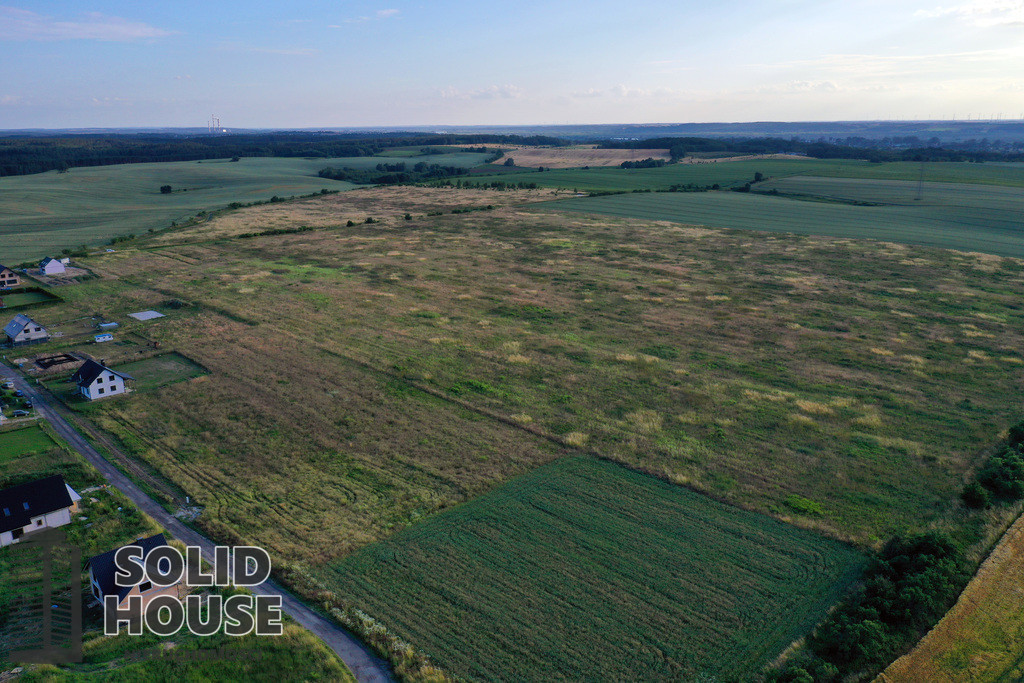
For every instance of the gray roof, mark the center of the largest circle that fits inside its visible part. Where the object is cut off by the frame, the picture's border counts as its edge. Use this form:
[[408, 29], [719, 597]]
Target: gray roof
[[103, 568], [18, 324], [90, 370], [48, 260]]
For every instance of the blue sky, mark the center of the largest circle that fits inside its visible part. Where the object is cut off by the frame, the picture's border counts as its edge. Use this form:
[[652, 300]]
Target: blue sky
[[391, 63]]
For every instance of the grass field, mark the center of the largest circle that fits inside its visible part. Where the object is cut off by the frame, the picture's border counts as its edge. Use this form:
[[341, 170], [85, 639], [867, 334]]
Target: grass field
[[24, 441], [971, 218], [43, 213], [584, 570], [730, 173], [573, 157], [23, 299], [981, 639], [877, 370], [159, 371]]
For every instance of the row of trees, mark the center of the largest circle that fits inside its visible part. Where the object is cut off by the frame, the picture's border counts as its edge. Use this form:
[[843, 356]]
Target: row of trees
[[24, 154]]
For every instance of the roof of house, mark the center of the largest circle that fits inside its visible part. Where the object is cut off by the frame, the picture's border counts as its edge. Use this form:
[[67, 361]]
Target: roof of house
[[103, 567], [19, 504], [49, 260], [18, 324], [90, 370]]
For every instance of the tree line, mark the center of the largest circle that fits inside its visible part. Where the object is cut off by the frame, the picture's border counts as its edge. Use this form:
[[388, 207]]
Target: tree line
[[24, 154]]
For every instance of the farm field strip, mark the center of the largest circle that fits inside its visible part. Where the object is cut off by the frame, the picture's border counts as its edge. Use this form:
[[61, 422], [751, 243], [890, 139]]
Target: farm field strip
[[43, 213], [901, 192], [579, 568], [730, 173], [996, 230]]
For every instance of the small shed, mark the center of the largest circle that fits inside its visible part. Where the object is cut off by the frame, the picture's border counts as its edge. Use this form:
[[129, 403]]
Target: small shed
[[105, 337]]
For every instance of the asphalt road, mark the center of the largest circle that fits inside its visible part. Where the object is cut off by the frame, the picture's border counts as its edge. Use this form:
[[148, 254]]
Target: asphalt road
[[366, 666]]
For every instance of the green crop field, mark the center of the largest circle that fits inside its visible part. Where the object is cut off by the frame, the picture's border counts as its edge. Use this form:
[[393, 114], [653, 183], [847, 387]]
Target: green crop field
[[43, 213], [21, 442], [730, 173], [584, 570], [161, 370], [969, 218]]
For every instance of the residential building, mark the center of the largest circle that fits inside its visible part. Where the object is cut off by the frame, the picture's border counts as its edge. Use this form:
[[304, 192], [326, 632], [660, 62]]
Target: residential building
[[51, 266], [96, 380], [102, 583], [24, 330], [34, 506]]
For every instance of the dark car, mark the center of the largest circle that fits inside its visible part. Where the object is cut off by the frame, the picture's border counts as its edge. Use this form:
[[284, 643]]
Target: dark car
[[19, 393], [28, 403], [20, 413]]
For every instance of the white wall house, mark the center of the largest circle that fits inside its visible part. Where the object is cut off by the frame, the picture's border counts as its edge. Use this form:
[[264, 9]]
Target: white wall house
[[98, 381], [34, 506], [51, 266], [24, 330], [8, 278]]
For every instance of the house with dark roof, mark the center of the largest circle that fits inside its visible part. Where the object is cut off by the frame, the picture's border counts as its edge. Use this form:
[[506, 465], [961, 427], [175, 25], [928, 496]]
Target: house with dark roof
[[96, 380], [34, 506], [101, 577], [24, 330], [8, 278], [51, 266]]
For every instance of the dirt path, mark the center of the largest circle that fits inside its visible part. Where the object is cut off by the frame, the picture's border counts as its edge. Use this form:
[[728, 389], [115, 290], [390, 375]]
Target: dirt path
[[364, 665]]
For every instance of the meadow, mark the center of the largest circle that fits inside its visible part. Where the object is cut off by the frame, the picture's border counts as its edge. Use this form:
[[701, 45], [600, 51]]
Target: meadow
[[43, 213], [792, 375], [16, 443], [731, 173], [967, 217], [584, 570]]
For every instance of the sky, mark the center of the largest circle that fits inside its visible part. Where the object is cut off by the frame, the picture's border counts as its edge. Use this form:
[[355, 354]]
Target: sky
[[312, 63]]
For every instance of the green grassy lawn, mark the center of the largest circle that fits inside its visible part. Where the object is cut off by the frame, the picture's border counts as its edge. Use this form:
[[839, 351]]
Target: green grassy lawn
[[970, 218], [18, 299], [43, 213], [161, 370], [23, 441], [730, 173], [584, 570]]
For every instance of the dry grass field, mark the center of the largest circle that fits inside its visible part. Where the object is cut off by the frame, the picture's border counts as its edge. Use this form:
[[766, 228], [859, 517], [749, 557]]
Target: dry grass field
[[364, 377], [982, 637], [574, 157]]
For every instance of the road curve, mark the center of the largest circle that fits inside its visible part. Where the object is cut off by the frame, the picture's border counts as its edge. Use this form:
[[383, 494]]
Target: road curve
[[367, 667]]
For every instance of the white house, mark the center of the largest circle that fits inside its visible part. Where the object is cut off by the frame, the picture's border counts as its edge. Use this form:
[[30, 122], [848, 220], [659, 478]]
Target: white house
[[51, 266], [24, 330], [34, 506], [98, 381]]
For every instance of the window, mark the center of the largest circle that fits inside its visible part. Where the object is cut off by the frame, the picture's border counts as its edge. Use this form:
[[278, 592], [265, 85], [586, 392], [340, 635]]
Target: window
[[7, 512], [39, 329], [17, 533], [111, 378], [25, 505], [39, 522], [99, 379], [100, 390], [145, 586]]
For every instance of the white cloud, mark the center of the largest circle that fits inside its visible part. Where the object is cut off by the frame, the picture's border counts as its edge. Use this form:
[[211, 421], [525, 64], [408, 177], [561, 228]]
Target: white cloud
[[491, 92], [9, 99], [386, 13], [982, 13], [20, 24]]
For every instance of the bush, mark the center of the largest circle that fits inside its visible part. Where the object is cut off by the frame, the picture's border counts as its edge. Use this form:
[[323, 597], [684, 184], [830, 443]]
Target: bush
[[976, 496], [165, 189]]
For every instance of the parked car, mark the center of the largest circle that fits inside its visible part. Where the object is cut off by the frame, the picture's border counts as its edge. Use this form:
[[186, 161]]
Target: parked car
[[28, 403], [20, 413], [8, 384], [19, 393]]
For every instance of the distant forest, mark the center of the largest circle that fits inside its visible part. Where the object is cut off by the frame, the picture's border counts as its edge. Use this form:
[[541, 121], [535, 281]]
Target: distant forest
[[24, 154], [903, 148], [21, 155]]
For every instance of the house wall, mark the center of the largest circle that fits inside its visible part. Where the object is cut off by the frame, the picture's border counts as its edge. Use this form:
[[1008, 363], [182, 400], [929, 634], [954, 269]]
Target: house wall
[[9, 278], [52, 268], [32, 332], [111, 385], [50, 520]]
